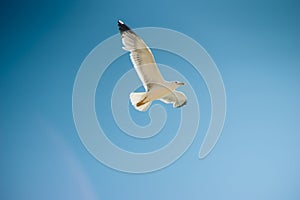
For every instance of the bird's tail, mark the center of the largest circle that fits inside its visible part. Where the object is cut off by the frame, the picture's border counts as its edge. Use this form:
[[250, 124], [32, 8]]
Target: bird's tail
[[139, 101]]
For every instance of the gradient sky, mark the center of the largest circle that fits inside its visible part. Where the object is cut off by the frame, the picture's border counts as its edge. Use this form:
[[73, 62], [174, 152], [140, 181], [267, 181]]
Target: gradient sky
[[256, 47]]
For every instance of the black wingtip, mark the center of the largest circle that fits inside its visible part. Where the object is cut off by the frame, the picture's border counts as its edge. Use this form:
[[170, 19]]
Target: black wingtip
[[122, 26]]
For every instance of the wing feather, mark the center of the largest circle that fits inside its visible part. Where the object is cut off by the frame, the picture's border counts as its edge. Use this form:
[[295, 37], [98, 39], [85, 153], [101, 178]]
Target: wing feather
[[177, 98], [141, 56]]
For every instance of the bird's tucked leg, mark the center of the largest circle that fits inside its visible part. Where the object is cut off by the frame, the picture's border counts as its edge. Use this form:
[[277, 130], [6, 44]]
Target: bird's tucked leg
[[142, 102]]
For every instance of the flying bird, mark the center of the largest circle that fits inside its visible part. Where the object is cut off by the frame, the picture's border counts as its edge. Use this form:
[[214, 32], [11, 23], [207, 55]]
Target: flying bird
[[143, 61]]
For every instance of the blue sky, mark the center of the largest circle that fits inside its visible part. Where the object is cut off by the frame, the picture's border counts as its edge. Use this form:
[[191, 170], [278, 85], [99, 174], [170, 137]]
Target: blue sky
[[255, 45]]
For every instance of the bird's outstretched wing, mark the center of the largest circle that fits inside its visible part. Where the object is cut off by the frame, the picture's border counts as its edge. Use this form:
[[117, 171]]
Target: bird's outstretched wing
[[177, 98], [141, 56]]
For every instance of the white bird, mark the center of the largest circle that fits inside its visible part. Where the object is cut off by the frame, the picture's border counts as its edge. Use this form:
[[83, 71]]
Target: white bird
[[155, 85]]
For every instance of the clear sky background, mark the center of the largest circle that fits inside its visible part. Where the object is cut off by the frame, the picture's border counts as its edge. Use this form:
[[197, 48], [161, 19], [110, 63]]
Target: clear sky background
[[256, 46]]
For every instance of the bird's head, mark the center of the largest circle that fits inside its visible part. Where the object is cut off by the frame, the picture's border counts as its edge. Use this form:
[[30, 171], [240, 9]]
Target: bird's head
[[177, 84]]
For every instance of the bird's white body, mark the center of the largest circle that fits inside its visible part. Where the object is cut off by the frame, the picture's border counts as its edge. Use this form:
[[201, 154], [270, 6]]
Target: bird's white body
[[156, 87], [142, 100]]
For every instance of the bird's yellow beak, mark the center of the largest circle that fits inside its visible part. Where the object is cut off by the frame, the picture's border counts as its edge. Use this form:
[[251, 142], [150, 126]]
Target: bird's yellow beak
[[181, 83]]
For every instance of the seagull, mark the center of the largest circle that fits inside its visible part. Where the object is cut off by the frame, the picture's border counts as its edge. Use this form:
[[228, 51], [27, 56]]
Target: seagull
[[143, 61]]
